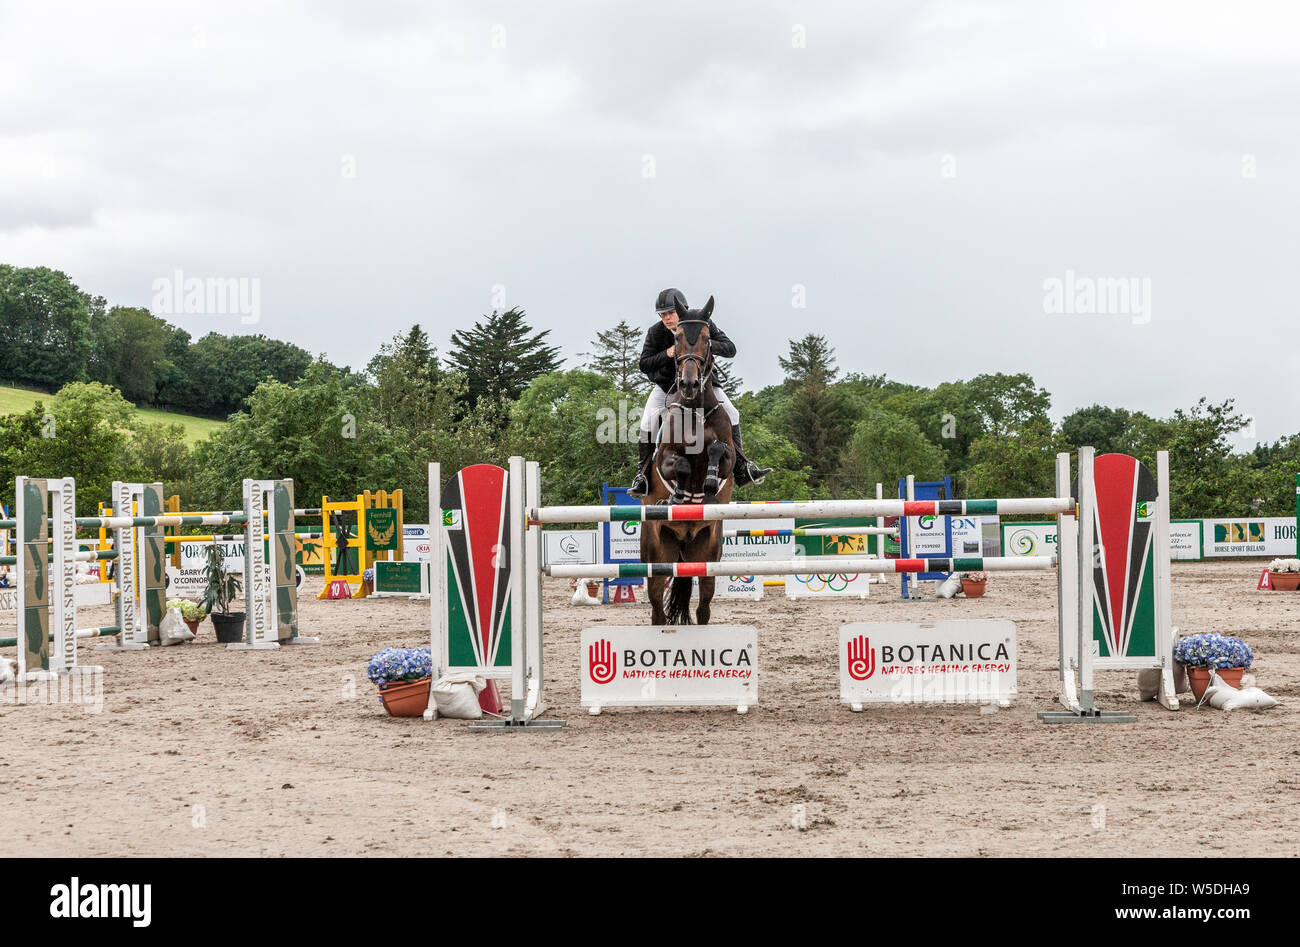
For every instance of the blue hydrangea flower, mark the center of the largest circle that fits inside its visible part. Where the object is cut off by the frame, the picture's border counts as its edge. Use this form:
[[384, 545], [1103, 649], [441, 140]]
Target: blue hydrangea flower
[[1214, 650], [394, 665]]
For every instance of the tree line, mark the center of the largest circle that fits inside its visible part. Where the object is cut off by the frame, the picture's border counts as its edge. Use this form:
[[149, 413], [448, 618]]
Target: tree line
[[501, 388]]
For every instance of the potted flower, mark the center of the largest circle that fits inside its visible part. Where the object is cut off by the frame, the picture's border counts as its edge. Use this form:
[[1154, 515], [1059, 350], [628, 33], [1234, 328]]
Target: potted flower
[[192, 613], [222, 588], [1226, 656], [404, 676], [1284, 574], [973, 583]]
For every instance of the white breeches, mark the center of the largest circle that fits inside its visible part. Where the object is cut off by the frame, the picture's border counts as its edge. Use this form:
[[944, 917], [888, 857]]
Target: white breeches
[[658, 400]]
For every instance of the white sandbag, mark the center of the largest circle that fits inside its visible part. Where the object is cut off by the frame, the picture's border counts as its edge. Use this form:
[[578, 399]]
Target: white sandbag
[[8, 670], [1149, 681], [1223, 696], [949, 586], [173, 630], [456, 695], [581, 597]]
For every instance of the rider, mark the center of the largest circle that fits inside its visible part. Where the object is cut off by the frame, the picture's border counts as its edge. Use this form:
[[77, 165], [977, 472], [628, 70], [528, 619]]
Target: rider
[[658, 364]]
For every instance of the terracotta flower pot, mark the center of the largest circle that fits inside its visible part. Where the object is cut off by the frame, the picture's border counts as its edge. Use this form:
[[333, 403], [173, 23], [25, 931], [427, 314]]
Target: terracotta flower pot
[[1199, 678], [193, 626], [1285, 581], [972, 588], [406, 700]]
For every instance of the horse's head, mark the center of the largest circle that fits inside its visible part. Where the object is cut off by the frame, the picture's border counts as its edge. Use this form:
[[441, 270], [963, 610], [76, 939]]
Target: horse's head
[[692, 350]]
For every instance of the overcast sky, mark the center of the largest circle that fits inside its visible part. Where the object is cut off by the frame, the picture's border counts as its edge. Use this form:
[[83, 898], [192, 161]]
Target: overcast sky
[[904, 178]]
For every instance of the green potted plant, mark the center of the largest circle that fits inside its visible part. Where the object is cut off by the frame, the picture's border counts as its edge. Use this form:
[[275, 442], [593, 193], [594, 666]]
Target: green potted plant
[[192, 613], [222, 588], [1226, 656], [973, 583], [1284, 574]]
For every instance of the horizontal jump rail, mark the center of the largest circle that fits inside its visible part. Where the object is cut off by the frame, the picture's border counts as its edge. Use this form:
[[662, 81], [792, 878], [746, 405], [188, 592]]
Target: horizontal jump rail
[[167, 519], [807, 565], [308, 512], [81, 633], [100, 555], [816, 531], [229, 538], [789, 509]]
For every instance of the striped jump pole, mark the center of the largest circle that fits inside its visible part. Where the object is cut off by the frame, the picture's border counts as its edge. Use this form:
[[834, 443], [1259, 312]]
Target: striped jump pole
[[228, 538], [790, 509], [169, 519], [99, 555], [105, 632], [815, 531], [808, 565]]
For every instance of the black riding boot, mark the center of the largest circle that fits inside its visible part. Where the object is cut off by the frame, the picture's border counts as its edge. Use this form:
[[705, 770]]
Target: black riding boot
[[747, 472], [641, 483]]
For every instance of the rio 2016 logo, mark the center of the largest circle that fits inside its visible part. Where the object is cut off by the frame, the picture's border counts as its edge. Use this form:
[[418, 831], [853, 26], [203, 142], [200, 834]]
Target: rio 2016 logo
[[861, 658], [602, 662]]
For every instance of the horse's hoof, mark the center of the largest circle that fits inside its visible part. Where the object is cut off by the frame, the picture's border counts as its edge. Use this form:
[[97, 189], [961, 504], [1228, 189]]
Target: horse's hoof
[[711, 486]]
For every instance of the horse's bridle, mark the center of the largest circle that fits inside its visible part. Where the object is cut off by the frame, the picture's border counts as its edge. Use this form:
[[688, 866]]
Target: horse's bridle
[[706, 361]]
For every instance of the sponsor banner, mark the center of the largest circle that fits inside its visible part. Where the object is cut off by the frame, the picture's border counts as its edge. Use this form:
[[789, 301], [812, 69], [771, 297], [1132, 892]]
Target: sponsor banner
[[741, 586], [1250, 536], [401, 578], [1185, 539], [927, 662], [416, 542], [194, 556], [570, 547], [1029, 539], [834, 585], [683, 666], [188, 583], [757, 547], [929, 538], [1039, 539]]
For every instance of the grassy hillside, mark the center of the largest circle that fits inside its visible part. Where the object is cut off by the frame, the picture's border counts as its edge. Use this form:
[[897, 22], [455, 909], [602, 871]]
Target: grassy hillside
[[15, 400]]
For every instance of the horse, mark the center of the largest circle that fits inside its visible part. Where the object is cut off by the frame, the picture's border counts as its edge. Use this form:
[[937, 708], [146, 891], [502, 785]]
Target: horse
[[693, 463]]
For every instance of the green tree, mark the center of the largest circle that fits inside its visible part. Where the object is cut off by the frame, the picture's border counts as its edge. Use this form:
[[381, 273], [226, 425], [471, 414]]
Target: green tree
[[315, 432], [501, 354], [616, 354], [811, 357], [131, 352], [45, 325], [883, 448], [1019, 464], [405, 375]]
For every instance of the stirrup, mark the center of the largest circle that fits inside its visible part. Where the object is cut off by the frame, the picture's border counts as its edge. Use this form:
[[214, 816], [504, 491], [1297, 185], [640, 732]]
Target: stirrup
[[756, 473], [644, 484]]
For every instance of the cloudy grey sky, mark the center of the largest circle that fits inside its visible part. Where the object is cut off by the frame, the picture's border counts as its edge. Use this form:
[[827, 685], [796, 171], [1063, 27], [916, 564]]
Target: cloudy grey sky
[[905, 178]]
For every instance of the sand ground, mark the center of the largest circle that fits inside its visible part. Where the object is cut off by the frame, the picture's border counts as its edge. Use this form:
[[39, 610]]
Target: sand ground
[[203, 751]]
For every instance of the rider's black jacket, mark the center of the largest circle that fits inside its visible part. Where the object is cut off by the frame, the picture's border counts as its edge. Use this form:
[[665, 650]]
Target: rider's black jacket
[[661, 369]]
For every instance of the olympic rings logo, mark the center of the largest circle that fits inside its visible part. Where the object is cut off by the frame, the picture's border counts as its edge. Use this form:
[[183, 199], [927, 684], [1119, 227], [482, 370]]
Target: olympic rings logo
[[834, 581]]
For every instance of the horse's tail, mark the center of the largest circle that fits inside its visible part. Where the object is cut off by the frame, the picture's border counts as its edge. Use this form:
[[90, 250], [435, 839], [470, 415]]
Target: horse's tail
[[678, 609]]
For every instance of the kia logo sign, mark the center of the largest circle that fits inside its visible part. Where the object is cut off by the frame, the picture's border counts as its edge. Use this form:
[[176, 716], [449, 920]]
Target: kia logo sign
[[602, 662], [861, 659]]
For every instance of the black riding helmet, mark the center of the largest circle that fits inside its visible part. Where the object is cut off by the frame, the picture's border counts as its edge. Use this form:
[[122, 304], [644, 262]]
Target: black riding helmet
[[668, 299]]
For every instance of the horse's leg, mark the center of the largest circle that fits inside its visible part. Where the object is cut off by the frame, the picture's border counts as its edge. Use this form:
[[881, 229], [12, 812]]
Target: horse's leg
[[702, 612], [655, 593], [717, 450], [680, 470]]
